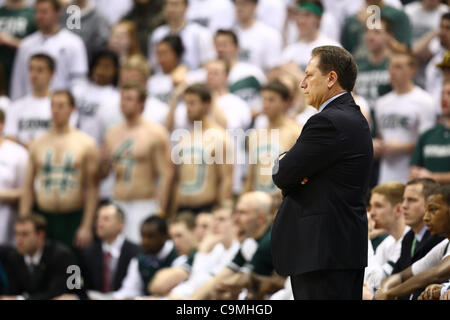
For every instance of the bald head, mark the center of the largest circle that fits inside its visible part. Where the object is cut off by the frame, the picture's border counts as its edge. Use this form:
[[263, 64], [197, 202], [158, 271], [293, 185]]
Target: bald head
[[253, 213]]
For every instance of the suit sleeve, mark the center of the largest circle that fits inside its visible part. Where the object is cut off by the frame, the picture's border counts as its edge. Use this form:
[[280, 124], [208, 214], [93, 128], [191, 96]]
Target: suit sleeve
[[316, 149]]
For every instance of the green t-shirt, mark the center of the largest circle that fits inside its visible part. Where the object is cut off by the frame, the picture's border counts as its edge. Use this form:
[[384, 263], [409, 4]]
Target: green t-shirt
[[19, 24], [432, 151], [373, 81], [260, 262], [352, 37]]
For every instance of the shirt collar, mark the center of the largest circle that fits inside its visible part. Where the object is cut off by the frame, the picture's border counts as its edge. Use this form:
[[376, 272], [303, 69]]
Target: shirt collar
[[115, 247], [419, 236], [165, 251], [323, 105], [35, 259]]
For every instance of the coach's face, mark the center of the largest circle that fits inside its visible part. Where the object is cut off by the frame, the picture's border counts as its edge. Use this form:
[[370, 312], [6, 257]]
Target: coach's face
[[315, 84]]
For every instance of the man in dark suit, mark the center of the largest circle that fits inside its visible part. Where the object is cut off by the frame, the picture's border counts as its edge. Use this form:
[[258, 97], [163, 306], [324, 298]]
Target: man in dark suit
[[319, 236], [106, 261], [418, 241], [38, 269]]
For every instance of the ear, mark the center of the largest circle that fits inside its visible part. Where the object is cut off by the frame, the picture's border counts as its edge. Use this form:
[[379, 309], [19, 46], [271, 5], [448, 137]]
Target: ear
[[398, 210], [332, 79]]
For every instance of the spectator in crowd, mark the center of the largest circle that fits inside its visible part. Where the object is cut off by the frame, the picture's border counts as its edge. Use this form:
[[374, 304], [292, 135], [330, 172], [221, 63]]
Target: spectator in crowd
[[39, 264], [215, 250], [212, 14], [434, 268], [203, 225], [197, 40], [386, 211], [401, 116], [431, 156], [16, 22], [63, 166], [237, 115], [264, 146], [424, 16], [106, 261], [182, 233], [158, 252], [204, 172], [100, 89], [12, 170], [272, 13], [418, 241], [137, 70], [137, 151], [244, 79], [308, 22], [253, 36], [329, 24], [30, 116], [147, 14], [253, 217], [65, 47], [373, 69], [123, 40], [434, 73], [169, 52], [355, 26], [93, 27]]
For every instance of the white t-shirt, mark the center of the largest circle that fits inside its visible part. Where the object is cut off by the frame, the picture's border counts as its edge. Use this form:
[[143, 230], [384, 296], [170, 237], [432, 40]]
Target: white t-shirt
[[434, 79], [239, 118], [66, 48], [212, 14], [13, 164], [382, 262], [300, 52], [259, 45], [402, 118], [272, 13], [155, 111], [89, 97], [423, 21], [198, 45], [161, 85], [433, 258], [245, 80], [114, 10], [28, 118]]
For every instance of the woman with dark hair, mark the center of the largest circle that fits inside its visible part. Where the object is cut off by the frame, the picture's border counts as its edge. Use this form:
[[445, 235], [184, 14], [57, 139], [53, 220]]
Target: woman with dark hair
[[169, 52], [99, 89]]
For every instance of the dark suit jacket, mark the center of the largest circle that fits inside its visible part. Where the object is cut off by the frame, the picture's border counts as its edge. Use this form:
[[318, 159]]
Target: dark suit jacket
[[50, 277], [93, 265], [422, 248], [322, 225]]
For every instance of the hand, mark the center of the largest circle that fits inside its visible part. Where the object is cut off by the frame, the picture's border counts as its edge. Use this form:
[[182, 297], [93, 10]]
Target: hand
[[424, 173], [83, 237], [66, 297], [367, 292], [445, 295], [209, 241], [381, 294], [7, 40], [432, 292]]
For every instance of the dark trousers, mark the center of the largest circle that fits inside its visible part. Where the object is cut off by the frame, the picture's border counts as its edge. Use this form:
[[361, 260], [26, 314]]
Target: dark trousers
[[328, 285]]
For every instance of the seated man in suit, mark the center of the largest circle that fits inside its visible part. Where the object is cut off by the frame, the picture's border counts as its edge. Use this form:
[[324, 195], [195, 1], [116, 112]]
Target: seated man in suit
[[434, 268], [418, 241], [39, 267], [106, 261]]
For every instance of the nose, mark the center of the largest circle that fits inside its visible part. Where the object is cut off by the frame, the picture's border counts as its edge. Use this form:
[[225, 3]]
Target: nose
[[303, 84]]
